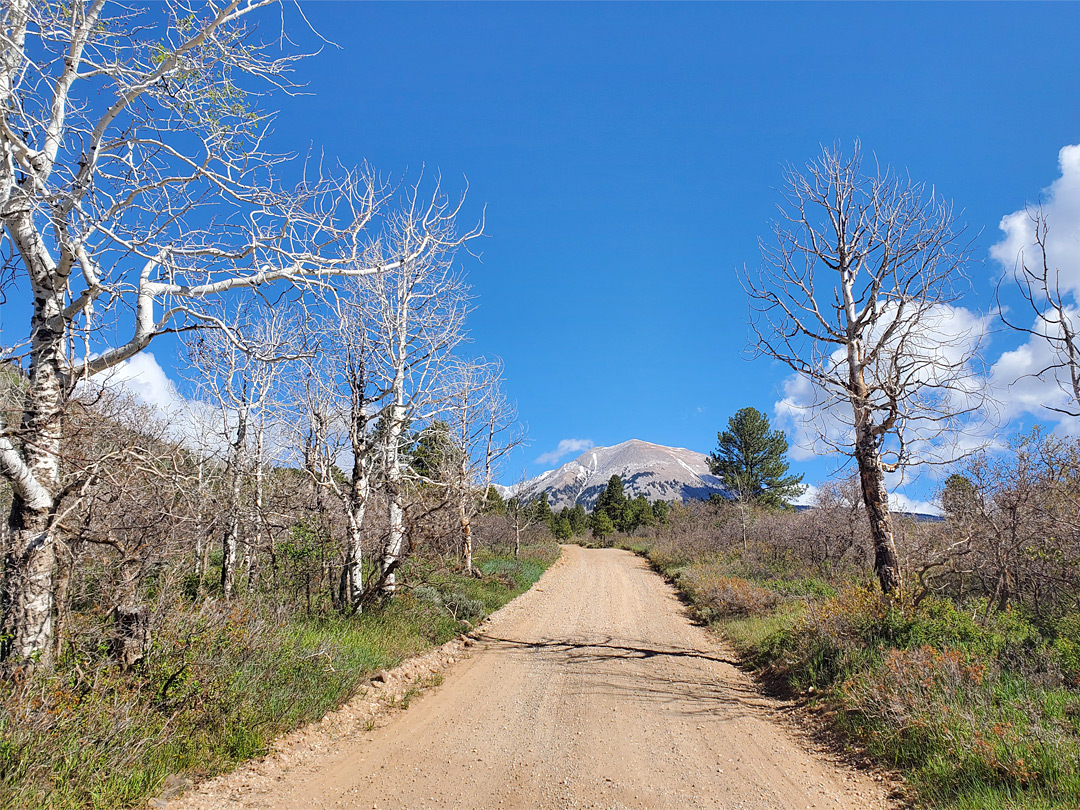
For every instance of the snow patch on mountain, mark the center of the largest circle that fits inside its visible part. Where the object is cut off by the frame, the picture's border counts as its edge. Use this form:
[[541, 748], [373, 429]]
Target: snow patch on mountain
[[658, 472]]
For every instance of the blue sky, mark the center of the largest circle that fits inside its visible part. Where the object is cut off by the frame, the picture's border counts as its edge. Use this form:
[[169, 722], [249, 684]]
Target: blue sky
[[628, 157]]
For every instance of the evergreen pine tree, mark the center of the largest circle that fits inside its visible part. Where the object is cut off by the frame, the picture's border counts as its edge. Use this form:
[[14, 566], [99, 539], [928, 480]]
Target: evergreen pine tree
[[601, 525], [612, 501], [579, 519], [660, 511], [561, 528], [751, 458], [493, 504], [542, 513], [433, 450], [639, 513]]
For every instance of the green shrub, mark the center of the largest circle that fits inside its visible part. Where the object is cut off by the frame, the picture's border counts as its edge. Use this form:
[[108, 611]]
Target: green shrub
[[716, 595], [221, 682], [958, 723], [1066, 648]]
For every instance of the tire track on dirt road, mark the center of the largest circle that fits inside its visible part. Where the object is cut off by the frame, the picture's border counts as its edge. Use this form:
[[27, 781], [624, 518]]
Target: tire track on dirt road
[[594, 689]]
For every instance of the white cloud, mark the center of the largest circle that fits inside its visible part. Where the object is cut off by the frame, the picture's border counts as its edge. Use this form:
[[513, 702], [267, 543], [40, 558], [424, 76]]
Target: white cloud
[[191, 422], [1023, 379], [143, 378], [819, 422], [807, 498], [1061, 207], [899, 502], [565, 448]]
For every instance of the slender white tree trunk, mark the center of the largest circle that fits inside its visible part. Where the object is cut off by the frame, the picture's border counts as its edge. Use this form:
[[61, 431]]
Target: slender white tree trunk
[[252, 549], [395, 543], [352, 575], [231, 538], [30, 565], [395, 495], [463, 517]]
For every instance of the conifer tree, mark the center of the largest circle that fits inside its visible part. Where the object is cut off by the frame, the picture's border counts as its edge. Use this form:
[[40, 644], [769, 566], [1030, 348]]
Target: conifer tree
[[751, 458], [660, 512], [579, 519], [638, 513], [601, 525], [494, 503], [542, 510], [612, 501], [561, 527]]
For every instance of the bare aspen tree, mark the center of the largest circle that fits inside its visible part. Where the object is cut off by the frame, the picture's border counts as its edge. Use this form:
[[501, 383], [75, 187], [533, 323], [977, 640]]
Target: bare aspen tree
[[236, 370], [320, 440], [855, 294], [135, 185], [1045, 292], [419, 306], [521, 514], [481, 424], [341, 379]]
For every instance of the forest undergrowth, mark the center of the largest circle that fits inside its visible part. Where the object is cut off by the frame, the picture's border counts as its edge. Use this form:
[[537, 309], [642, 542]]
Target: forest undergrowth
[[222, 681], [976, 704]]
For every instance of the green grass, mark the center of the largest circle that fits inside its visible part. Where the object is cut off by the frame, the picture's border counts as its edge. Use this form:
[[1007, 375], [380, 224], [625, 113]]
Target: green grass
[[978, 710], [220, 686]]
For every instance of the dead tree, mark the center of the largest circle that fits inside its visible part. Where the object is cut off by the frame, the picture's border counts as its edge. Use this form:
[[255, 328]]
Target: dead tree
[[135, 180], [1056, 325], [856, 295], [482, 431], [418, 319], [339, 379], [235, 370]]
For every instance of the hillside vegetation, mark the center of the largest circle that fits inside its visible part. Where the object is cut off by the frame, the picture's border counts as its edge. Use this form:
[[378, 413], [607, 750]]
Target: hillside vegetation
[[222, 678], [970, 682]]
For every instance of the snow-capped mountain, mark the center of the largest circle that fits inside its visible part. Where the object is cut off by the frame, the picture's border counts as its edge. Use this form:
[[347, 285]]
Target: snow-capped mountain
[[659, 473]]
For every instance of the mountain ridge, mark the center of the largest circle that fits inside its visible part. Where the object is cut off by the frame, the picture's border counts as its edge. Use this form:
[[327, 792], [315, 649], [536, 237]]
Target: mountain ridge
[[658, 472]]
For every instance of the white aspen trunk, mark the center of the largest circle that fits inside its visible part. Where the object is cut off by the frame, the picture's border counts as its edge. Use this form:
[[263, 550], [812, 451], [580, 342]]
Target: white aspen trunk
[[253, 548], [197, 563], [30, 565], [395, 543], [463, 517], [352, 574], [231, 538]]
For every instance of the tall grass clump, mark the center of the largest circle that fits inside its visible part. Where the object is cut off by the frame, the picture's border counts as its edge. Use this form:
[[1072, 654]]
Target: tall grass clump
[[968, 686], [220, 683]]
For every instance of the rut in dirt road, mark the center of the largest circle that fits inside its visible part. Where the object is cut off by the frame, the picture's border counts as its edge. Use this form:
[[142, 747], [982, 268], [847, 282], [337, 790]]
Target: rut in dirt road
[[593, 689]]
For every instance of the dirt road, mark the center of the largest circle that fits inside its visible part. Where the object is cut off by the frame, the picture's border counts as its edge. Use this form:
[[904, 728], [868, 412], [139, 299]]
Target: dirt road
[[591, 690]]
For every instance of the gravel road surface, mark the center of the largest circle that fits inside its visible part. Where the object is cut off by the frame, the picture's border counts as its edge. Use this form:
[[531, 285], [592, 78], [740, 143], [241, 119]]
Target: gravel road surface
[[592, 690]]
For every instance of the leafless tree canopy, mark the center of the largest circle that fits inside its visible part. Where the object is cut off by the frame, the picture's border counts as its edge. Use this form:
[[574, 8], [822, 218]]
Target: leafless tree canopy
[[1042, 288], [856, 294], [136, 187]]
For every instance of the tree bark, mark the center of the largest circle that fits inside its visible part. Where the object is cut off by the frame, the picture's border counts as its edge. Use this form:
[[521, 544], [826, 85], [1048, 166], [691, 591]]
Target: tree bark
[[26, 639], [876, 498], [29, 570], [352, 582], [231, 538], [131, 635], [463, 516], [395, 543]]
